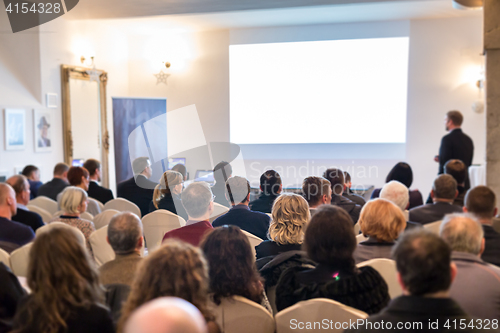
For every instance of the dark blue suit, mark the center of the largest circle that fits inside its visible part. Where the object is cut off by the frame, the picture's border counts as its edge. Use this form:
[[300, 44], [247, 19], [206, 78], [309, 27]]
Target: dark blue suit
[[456, 145], [139, 191], [256, 223]]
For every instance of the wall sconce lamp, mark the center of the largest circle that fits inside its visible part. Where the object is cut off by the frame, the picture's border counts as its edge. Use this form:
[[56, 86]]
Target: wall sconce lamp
[[162, 77], [85, 61], [467, 4], [478, 105]]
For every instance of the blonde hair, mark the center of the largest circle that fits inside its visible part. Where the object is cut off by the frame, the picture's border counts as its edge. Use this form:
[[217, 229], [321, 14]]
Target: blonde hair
[[382, 220], [168, 180], [290, 215], [72, 197]]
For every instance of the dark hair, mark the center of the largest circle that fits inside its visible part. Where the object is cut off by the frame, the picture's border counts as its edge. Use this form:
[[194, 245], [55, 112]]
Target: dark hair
[[28, 170], [402, 173], [456, 169], [456, 117], [423, 260], [347, 177], [237, 189], [92, 166], [336, 178], [232, 265], [444, 187], [60, 168], [270, 182], [313, 189], [222, 171], [75, 175], [481, 201], [330, 238], [181, 168], [124, 231]]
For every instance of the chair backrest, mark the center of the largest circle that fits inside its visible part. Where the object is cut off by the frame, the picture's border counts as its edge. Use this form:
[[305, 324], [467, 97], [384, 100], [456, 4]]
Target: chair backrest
[[219, 210], [434, 226], [19, 260], [237, 314], [123, 205], [356, 229], [315, 310], [5, 257], [254, 241], [386, 268], [100, 246], [157, 224], [46, 203], [46, 216], [101, 205], [87, 216], [103, 219], [56, 224], [361, 238]]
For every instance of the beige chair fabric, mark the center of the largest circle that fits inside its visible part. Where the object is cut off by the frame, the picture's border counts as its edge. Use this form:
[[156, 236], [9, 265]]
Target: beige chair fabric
[[123, 205], [386, 268], [5, 257], [433, 226], [104, 218], [19, 260], [56, 224], [315, 310], [100, 246], [219, 210], [87, 216], [44, 202], [361, 238], [356, 229], [271, 297], [239, 315], [157, 224], [254, 241], [46, 216]]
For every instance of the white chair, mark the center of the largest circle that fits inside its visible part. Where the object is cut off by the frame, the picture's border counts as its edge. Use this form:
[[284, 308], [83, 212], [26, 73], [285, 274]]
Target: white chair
[[254, 241], [361, 238], [315, 310], [157, 224], [100, 246], [219, 210], [46, 203], [123, 205], [101, 206], [87, 216], [434, 226], [19, 260], [46, 216], [386, 268], [239, 315], [103, 219], [56, 224], [5, 257], [356, 229]]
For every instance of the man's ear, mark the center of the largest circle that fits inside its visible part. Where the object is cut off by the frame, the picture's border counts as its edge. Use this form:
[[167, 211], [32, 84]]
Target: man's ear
[[432, 194], [248, 197], [140, 242], [456, 193], [107, 240], [453, 271], [481, 250], [402, 284], [464, 209], [495, 212]]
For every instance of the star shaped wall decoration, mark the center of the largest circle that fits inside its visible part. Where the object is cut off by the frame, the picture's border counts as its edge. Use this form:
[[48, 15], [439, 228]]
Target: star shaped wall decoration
[[161, 77], [94, 75]]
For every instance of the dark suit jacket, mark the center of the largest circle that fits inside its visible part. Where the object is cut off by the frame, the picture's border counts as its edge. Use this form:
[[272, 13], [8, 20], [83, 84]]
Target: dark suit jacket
[[459, 200], [138, 191], [456, 145], [34, 186], [350, 207], [491, 252], [354, 197], [15, 232], [53, 188], [31, 219], [433, 212], [263, 204], [271, 248], [256, 223], [219, 190], [172, 204], [99, 193]]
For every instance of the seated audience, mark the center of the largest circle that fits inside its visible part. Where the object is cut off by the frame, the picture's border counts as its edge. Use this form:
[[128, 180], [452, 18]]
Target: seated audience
[[425, 273], [330, 242], [175, 269], [95, 190], [458, 170], [382, 222], [350, 194], [22, 188], [181, 168], [232, 266], [60, 181], [238, 193], [65, 293], [12, 234], [402, 173], [138, 189], [480, 201], [125, 238], [166, 315], [444, 191], [398, 194], [336, 178], [480, 299], [317, 191], [33, 174], [79, 177], [222, 172], [11, 292], [198, 202], [167, 194], [270, 185]]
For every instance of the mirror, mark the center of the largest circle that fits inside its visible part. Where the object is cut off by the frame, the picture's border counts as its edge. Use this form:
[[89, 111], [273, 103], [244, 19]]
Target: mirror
[[84, 117]]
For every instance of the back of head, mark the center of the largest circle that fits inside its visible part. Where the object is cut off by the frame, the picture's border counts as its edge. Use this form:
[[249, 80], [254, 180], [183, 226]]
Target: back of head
[[336, 179], [444, 187], [60, 169], [290, 215], [382, 220], [456, 117], [462, 233], [196, 199], [402, 173], [222, 171], [72, 197], [28, 170], [481, 201], [124, 232], [313, 189], [270, 183], [237, 189], [181, 168], [75, 175], [456, 169], [92, 166], [139, 165], [423, 260], [19, 183], [6, 193], [397, 193], [347, 177]]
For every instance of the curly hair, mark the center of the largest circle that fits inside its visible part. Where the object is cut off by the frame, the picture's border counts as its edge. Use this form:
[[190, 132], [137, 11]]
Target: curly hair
[[290, 215]]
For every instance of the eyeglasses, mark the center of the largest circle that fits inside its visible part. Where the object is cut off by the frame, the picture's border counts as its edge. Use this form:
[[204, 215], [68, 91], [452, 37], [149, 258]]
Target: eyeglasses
[[213, 197]]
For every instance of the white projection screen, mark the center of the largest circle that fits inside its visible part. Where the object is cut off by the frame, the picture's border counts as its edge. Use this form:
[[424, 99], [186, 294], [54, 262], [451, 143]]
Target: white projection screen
[[337, 92]]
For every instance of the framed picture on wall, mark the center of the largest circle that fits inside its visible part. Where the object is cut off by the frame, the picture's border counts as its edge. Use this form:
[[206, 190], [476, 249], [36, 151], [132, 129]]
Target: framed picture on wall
[[41, 131], [15, 129]]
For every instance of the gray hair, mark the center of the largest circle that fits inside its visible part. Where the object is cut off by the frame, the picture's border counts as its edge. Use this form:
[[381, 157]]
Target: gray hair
[[444, 187], [237, 189], [124, 231], [462, 232], [397, 193], [196, 198], [72, 197]]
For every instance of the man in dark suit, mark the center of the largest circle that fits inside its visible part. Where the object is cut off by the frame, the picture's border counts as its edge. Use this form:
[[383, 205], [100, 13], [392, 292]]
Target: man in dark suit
[[455, 145], [480, 201], [139, 189], [57, 184], [270, 185], [317, 191], [336, 178], [443, 193], [22, 188], [33, 174], [458, 170], [356, 198], [238, 193], [95, 190]]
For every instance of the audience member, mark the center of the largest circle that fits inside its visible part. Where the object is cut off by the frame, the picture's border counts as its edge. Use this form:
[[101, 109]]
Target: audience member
[[382, 222], [79, 177], [125, 238], [444, 191], [402, 173], [166, 315], [458, 170], [96, 191], [175, 269], [12, 234], [317, 191], [138, 189], [480, 201], [350, 194], [270, 185], [398, 194], [57, 184], [480, 299], [167, 194], [330, 242], [238, 194], [197, 199], [336, 178], [222, 172], [22, 188], [11, 292], [181, 168], [33, 174], [65, 293]]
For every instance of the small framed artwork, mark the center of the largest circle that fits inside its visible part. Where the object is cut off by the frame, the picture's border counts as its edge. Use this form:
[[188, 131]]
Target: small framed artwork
[[15, 129], [51, 100], [41, 131]]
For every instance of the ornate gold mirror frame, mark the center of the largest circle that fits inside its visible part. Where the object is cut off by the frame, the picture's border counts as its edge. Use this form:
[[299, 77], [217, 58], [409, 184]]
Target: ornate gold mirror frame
[[80, 73]]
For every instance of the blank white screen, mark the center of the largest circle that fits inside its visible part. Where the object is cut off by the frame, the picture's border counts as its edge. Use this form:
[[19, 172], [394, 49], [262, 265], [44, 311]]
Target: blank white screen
[[341, 91]]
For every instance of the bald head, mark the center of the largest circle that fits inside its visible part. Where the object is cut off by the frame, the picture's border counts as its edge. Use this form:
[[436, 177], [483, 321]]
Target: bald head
[[166, 315], [125, 233], [7, 201], [462, 233]]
